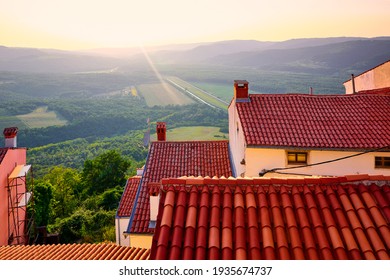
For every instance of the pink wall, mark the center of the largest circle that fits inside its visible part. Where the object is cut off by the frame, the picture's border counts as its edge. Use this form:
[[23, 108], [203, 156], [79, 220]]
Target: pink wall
[[12, 158]]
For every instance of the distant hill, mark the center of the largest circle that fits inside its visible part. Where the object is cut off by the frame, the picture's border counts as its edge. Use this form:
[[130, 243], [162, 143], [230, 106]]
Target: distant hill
[[349, 56], [202, 53], [46, 60], [314, 55], [311, 55]]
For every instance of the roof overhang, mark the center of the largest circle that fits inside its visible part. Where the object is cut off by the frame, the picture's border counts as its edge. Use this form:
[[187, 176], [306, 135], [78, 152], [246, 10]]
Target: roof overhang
[[19, 171]]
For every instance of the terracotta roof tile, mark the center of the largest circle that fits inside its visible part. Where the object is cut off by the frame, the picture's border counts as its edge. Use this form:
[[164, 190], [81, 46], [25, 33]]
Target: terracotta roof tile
[[128, 196], [102, 251], [353, 121], [3, 151], [263, 221], [173, 160]]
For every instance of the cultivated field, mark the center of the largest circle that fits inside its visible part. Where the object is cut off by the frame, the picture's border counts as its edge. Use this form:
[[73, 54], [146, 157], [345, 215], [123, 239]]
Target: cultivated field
[[162, 94], [201, 94], [223, 91], [41, 117], [193, 133]]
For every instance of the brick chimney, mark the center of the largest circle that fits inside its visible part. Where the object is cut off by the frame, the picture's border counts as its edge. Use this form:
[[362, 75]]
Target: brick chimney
[[10, 137], [161, 129], [241, 91]]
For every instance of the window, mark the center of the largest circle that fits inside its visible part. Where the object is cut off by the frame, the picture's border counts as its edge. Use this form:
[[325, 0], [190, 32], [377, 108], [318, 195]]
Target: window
[[296, 157], [382, 162]]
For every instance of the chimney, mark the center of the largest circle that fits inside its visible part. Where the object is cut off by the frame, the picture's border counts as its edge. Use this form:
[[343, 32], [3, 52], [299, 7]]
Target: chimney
[[154, 196], [140, 171], [161, 131], [10, 137], [241, 91]]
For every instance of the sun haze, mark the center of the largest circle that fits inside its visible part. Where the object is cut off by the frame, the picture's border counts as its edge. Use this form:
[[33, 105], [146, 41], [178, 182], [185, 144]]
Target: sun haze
[[74, 24]]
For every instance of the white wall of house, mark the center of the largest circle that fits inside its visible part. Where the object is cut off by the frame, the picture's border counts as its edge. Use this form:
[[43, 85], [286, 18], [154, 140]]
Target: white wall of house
[[258, 159], [121, 224], [236, 140], [376, 78]]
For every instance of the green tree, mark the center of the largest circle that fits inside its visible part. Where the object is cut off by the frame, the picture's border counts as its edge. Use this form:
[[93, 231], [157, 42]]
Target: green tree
[[106, 171], [110, 198], [65, 182], [43, 194]]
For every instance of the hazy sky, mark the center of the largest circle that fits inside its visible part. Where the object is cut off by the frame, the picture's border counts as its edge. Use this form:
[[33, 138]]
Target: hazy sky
[[80, 24]]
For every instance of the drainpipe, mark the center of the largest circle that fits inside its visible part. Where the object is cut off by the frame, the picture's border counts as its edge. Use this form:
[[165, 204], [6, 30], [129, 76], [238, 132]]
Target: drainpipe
[[353, 83]]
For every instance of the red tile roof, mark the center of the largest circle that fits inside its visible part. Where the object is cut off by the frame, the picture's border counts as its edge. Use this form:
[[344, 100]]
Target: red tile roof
[[3, 151], [101, 251], [175, 159], [327, 218], [352, 121], [128, 196]]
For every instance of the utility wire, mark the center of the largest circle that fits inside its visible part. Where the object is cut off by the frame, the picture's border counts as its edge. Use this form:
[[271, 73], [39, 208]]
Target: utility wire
[[265, 171]]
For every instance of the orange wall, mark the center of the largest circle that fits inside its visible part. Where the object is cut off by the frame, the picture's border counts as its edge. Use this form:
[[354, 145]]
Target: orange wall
[[12, 158]]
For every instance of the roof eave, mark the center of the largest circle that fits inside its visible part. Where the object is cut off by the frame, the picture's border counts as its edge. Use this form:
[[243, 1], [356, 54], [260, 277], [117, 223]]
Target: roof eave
[[340, 149]]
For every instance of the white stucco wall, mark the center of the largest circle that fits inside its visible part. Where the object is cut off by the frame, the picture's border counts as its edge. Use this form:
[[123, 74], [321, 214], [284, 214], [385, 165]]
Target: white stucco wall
[[258, 159], [121, 224], [236, 140]]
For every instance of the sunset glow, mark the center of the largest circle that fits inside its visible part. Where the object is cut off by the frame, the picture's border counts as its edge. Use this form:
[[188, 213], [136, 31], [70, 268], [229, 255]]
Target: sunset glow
[[75, 24]]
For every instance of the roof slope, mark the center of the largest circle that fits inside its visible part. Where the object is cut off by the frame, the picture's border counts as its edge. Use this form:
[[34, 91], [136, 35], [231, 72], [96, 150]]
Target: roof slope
[[353, 121], [3, 151], [175, 159], [100, 251], [128, 196], [333, 218]]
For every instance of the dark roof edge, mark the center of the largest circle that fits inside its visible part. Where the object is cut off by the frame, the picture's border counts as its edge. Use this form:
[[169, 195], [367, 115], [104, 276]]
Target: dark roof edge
[[128, 230]]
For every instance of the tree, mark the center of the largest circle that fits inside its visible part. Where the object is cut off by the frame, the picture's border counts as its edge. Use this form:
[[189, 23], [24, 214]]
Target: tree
[[109, 199], [65, 182], [43, 194], [106, 171]]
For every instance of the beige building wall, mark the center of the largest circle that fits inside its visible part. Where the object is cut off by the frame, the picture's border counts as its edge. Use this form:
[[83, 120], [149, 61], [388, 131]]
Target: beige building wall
[[258, 159], [376, 78], [133, 239], [236, 141], [139, 240]]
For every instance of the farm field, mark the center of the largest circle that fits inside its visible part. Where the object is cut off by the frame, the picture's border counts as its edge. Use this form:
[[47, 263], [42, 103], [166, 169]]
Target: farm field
[[41, 117], [189, 133], [162, 94], [223, 91], [207, 97]]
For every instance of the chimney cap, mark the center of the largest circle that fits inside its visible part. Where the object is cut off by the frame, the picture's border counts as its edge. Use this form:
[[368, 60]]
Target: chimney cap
[[241, 82], [10, 132], [161, 131]]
